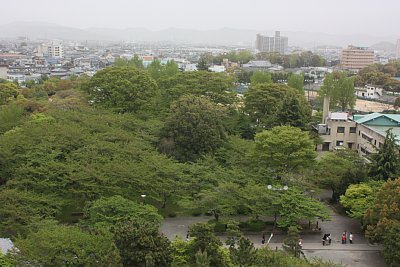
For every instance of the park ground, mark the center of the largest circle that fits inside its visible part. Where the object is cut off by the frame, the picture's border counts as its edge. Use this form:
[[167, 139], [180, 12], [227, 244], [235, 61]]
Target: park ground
[[359, 254]]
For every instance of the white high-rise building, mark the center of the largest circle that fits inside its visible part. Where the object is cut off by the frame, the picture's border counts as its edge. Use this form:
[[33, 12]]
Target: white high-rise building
[[398, 49], [268, 44], [55, 50]]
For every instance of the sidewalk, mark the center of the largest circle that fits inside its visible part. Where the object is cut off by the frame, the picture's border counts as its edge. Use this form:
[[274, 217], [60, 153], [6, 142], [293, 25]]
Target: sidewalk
[[335, 247]]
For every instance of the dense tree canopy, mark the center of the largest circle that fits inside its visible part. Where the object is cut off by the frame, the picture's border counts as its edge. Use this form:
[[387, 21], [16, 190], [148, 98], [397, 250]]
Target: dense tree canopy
[[284, 149], [193, 128], [122, 88], [57, 245], [340, 89], [268, 104]]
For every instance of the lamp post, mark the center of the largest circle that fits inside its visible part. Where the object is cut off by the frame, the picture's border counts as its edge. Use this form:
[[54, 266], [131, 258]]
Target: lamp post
[[144, 198], [284, 188]]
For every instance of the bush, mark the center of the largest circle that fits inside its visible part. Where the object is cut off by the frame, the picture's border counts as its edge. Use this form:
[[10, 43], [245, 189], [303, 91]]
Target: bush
[[253, 225], [172, 214], [196, 213]]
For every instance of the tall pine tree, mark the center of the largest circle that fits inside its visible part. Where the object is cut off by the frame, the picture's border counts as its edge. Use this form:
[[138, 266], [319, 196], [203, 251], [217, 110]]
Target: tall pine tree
[[385, 164]]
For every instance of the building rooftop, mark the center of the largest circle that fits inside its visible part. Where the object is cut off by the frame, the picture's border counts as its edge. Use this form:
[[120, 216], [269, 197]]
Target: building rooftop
[[378, 119]]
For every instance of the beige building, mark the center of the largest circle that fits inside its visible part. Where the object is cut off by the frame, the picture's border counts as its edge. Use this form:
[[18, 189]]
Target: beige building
[[364, 133], [355, 58]]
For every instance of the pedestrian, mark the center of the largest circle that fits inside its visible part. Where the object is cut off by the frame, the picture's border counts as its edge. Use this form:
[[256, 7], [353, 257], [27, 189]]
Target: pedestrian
[[324, 240], [187, 237], [351, 238], [329, 239], [343, 238], [263, 241], [263, 236]]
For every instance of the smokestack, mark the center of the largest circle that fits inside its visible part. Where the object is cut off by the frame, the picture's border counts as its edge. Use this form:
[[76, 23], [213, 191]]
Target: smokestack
[[325, 110]]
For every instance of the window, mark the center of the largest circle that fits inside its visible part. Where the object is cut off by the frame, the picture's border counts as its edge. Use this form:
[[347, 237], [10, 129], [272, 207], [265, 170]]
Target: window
[[339, 143], [353, 129], [366, 137], [359, 132], [340, 129], [380, 145]]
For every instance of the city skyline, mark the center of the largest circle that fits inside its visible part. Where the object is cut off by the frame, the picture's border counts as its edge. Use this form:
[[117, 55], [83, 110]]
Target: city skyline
[[309, 15]]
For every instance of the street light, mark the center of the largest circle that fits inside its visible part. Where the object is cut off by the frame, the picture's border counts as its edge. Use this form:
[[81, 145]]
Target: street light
[[285, 188], [143, 197]]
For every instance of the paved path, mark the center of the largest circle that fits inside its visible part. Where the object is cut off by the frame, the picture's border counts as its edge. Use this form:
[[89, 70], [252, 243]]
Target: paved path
[[359, 254]]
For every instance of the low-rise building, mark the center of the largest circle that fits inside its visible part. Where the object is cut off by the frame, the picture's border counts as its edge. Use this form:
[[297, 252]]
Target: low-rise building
[[369, 91]]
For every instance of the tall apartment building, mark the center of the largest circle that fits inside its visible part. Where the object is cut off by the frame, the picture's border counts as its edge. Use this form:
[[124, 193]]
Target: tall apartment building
[[398, 49], [55, 50], [356, 58], [268, 44]]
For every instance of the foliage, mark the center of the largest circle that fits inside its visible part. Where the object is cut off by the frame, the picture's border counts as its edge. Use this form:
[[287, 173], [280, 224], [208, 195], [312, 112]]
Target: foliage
[[291, 241], [202, 259], [385, 164], [180, 255], [293, 206], [58, 245], [358, 198], [391, 250], [267, 105], [10, 117], [340, 89], [134, 62], [140, 243], [122, 88], [21, 208], [384, 212], [8, 92], [217, 87], [284, 149], [339, 169], [260, 77], [297, 82], [109, 211], [5, 261], [244, 254], [206, 242], [193, 128]]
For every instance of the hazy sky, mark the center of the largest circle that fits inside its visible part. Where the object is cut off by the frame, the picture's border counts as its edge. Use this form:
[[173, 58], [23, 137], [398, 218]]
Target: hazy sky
[[374, 17]]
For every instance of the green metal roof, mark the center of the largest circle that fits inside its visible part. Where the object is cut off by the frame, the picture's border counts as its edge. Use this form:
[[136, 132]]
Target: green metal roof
[[378, 119]]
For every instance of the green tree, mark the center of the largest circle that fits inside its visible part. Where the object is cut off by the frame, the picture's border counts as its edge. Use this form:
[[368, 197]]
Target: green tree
[[140, 243], [21, 208], [5, 261], [385, 163], [358, 198], [384, 212], [109, 211], [293, 206], [397, 103], [136, 62], [297, 82], [244, 254], [8, 92], [217, 87], [291, 242], [58, 245], [205, 241], [193, 128], [391, 245], [340, 89], [204, 62], [260, 77], [263, 102], [338, 169], [122, 88], [285, 149], [294, 112], [202, 260], [155, 69]]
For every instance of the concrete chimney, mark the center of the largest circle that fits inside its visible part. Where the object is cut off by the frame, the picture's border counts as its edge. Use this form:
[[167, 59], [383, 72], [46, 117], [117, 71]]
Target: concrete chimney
[[325, 110]]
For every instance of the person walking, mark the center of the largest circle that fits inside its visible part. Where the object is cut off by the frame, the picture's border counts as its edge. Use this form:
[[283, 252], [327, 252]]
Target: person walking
[[324, 240], [343, 238], [351, 238]]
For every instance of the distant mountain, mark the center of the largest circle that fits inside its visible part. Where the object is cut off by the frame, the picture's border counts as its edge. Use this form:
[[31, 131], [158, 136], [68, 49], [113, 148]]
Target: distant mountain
[[42, 30], [384, 46], [223, 36]]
